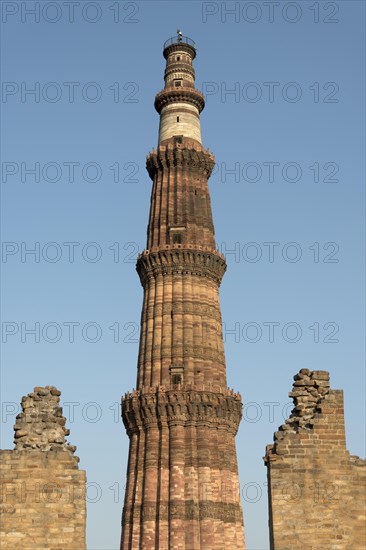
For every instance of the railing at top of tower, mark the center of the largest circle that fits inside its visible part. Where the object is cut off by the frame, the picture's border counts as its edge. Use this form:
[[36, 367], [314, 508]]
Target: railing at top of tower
[[179, 39]]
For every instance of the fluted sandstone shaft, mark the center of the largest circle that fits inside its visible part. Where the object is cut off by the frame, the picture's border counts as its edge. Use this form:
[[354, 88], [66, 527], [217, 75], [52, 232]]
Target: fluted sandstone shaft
[[182, 481]]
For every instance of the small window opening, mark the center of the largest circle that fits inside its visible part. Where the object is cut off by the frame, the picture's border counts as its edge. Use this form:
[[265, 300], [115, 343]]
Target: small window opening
[[176, 234], [177, 118], [195, 191], [176, 379], [177, 83], [176, 374], [178, 58]]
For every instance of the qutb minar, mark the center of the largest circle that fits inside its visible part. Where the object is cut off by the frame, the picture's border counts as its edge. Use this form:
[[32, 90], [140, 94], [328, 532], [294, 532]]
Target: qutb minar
[[182, 490], [182, 487]]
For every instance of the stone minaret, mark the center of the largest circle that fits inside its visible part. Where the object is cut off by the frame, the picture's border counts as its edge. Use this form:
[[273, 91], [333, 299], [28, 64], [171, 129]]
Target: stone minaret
[[182, 487]]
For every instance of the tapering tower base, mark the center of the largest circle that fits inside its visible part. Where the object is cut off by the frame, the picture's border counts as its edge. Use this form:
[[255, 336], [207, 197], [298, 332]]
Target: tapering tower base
[[182, 484]]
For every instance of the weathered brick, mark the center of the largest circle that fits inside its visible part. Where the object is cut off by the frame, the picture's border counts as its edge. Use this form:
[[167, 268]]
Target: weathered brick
[[331, 507], [42, 491]]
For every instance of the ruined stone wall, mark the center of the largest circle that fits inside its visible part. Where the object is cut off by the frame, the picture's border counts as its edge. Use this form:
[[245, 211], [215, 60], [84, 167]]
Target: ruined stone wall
[[42, 491], [317, 495]]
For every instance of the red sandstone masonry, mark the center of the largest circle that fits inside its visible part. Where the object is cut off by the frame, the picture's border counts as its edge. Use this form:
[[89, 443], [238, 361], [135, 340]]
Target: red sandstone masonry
[[317, 496], [182, 480]]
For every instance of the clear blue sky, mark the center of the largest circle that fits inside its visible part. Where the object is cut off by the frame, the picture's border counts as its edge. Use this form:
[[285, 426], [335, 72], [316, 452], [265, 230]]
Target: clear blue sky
[[292, 131]]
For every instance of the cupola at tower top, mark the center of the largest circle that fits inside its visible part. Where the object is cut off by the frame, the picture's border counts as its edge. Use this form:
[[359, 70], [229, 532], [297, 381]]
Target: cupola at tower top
[[179, 41]]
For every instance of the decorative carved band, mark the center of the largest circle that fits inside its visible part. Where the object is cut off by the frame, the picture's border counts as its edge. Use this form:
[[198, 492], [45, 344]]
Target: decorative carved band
[[180, 405], [178, 109], [181, 95], [179, 67], [187, 155], [204, 353], [180, 261], [189, 510], [186, 306]]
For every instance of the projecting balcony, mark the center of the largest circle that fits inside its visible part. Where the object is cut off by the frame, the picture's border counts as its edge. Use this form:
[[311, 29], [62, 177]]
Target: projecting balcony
[[181, 94]]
